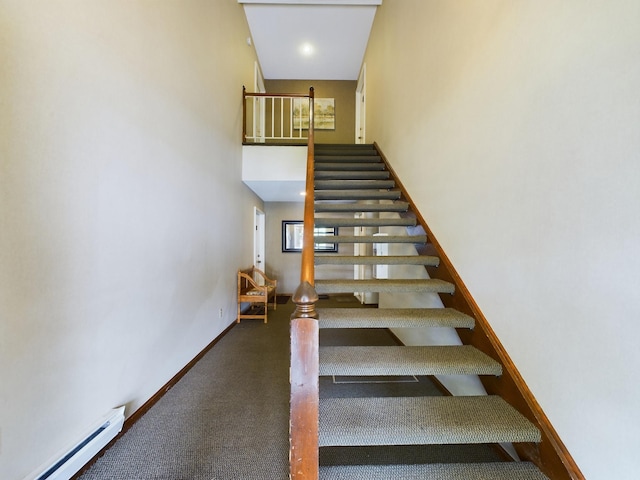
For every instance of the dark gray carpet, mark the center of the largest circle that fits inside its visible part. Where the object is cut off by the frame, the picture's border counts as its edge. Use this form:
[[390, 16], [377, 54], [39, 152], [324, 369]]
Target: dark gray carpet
[[227, 418]]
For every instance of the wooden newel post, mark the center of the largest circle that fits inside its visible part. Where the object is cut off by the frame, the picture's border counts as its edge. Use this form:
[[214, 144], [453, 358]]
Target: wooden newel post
[[244, 114], [305, 298], [304, 458]]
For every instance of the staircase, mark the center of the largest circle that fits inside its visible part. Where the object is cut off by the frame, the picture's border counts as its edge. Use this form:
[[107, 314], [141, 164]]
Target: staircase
[[351, 179]]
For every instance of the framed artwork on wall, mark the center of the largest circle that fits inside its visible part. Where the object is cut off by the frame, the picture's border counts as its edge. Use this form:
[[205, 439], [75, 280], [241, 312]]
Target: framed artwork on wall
[[324, 113]]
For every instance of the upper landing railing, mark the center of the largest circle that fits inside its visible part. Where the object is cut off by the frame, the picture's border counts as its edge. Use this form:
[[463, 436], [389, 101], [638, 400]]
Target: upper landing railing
[[275, 117]]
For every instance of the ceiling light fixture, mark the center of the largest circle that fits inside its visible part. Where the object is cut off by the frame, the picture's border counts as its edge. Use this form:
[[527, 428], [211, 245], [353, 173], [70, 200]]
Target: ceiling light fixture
[[306, 49]]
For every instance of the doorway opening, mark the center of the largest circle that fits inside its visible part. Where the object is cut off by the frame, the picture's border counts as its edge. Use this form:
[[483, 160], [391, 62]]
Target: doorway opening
[[259, 241]]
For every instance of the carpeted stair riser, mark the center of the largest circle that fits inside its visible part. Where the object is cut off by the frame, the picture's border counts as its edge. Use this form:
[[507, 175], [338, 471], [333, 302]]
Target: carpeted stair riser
[[393, 318], [406, 360], [421, 421], [336, 158], [431, 285], [345, 152], [426, 260], [435, 471], [365, 222], [357, 194], [361, 207], [323, 152], [333, 166], [354, 184], [415, 239], [350, 175], [345, 149]]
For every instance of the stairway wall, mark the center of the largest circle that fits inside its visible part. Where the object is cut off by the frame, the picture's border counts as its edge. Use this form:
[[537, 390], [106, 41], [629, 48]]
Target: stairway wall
[[513, 126], [123, 217]]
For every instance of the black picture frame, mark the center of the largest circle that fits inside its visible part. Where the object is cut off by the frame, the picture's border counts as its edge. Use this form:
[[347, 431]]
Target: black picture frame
[[292, 231]]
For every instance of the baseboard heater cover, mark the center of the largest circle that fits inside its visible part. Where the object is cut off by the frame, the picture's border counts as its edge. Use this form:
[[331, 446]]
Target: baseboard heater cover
[[66, 465]]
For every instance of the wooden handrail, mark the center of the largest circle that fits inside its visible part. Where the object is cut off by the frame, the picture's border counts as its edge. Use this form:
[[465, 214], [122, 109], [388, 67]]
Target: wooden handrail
[[307, 270], [303, 452], [283, 95]]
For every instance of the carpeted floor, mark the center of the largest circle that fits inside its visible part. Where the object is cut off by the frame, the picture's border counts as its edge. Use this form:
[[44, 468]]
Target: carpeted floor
[[227, 418]]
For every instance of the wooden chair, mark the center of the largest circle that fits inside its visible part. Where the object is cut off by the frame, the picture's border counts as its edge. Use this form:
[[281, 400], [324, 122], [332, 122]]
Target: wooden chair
[[249, 291]]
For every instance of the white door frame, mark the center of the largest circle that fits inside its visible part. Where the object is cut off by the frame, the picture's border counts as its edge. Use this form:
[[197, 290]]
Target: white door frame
[[259, 239], [361, 107]]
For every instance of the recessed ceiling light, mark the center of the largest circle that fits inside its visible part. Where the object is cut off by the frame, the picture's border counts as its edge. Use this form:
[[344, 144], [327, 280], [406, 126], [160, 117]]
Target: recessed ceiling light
[[306, 49], [303, 193]]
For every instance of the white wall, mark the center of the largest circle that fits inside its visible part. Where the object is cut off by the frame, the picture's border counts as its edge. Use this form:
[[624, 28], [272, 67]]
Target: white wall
[[275, 173], [514, 126], [122, 215]]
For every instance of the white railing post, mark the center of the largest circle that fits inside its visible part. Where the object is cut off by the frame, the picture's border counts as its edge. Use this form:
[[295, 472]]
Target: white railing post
[[260, 132]]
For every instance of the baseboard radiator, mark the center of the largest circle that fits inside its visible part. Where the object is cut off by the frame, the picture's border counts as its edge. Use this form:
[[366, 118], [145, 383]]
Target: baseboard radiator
[[64, 466]]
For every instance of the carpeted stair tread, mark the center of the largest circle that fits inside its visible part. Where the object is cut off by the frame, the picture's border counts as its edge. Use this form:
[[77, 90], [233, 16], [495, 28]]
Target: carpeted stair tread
[[406, 360], [343, 150], [364, 222], [349, 175], [337, 157], [357, 184], [344, 147], [374, 285], [351, 166], [357, 194], [428, 260], [435, 471], [393, 318], [416, 239], [361, 207], [421, 421], [353, 152]]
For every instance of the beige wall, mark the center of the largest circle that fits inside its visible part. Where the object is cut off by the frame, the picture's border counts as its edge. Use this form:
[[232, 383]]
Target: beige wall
[[285, 266], [343, 92], [519, 143], [122, 214]]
